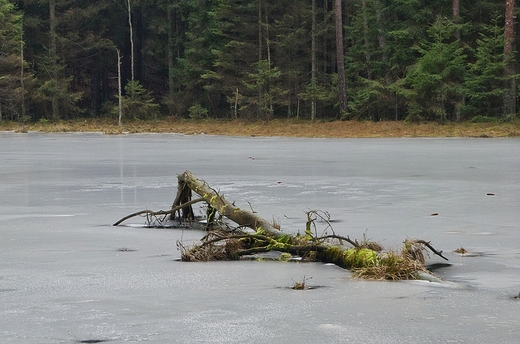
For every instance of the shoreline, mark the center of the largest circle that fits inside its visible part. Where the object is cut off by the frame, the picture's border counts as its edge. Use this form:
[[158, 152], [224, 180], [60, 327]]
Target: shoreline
[[274, 128]]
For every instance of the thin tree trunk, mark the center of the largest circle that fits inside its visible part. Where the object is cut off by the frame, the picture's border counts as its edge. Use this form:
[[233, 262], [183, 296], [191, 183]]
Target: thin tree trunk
[[366, 39], [268, 45], [342, 89], [456, 15], [235, 108], [313, 61], [21, 119], [260, 39], [381, 29], [456, 8], [260, 55], [120, 99], [131, 40], [510, 95], [53, 57], [171, 84], [456, 19]]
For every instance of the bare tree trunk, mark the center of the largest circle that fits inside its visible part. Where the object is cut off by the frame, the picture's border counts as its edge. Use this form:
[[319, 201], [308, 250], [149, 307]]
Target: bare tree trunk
[[342, 89], [235, 107], [366, 39], [260, 39], [456, 15], [381, 29], [227, 209], [53, 57], [313, 61], [170, 56], [131, 28], [120, 94], [456, 8], [268, 45], [510, 95], [21, 119]]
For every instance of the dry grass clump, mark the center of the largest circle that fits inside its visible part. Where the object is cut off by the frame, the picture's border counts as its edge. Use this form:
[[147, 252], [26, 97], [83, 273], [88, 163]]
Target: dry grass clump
[[394, 266], [301, 285], [391, 266], [224, 250], [371, 245]]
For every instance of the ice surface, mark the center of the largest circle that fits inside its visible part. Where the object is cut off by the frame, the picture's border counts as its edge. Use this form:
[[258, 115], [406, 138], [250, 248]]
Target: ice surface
[[68, 276]]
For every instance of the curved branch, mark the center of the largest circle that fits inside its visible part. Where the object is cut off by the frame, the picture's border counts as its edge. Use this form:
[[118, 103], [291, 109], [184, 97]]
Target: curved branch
[[427, 244], [334, 236]]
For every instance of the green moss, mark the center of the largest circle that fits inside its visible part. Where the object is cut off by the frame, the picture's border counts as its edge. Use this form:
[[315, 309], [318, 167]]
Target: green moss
[[284, 239], [277, 246], [359, 258], [333, 254], [350, 258]]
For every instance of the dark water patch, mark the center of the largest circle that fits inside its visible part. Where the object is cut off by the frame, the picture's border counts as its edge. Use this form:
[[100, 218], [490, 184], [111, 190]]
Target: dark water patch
[[476, 254], [311, 287], [437, 266], [93, 341], [126, 249], [307, 287]]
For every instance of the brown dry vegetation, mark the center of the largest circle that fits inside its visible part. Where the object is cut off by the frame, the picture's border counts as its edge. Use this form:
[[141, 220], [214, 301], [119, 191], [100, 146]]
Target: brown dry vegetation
[[286, 128]]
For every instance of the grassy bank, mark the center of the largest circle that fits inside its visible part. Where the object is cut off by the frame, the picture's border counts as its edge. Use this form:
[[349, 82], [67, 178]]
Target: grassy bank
[[287, 128]]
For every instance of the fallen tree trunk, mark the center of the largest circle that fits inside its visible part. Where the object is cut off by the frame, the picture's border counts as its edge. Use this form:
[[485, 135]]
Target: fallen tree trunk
[[225, 208], [366, 258]]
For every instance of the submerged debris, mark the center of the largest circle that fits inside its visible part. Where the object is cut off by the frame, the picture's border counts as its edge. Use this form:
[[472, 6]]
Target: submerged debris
[[460, 250], [301, 285]]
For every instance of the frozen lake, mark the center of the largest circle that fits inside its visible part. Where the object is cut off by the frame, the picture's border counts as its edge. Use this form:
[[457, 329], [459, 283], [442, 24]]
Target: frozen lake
[[68, 276]]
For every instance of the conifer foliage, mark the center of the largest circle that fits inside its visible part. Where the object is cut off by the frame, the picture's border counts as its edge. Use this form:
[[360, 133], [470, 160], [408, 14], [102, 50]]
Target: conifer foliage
[[260, 59]]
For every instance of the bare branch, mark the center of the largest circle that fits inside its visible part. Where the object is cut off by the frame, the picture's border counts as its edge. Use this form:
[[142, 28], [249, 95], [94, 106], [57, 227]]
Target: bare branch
[[427, 244], [160, 212]]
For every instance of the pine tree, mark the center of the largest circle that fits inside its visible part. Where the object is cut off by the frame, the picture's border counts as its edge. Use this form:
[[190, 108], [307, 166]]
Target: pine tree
[[437, 77], [485, 84]]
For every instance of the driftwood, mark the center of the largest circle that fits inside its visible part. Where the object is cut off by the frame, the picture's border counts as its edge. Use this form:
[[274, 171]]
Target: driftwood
[[254, 235]]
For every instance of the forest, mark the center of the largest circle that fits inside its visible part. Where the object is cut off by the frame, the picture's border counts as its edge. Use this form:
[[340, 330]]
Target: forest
[[415, 60]]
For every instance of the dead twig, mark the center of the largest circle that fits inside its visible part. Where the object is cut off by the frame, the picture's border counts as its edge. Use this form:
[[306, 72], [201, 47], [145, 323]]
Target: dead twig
[[427, 244]]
